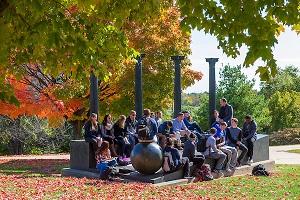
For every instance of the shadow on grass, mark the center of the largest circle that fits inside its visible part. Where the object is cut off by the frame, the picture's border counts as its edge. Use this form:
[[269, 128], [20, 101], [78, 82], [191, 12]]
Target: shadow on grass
[[33, 167]]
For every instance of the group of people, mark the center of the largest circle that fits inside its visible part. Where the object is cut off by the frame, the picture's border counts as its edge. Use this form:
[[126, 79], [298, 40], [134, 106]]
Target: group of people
[[117, 139]]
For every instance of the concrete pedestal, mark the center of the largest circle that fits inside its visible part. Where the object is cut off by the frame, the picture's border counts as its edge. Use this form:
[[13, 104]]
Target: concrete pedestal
[[81, 155]]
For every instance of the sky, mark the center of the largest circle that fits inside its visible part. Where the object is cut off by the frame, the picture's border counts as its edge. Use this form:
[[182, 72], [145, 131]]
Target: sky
[[286, 52]]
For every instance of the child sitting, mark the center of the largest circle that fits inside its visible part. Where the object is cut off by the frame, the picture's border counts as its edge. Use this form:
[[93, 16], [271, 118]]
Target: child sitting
[[104, 160]]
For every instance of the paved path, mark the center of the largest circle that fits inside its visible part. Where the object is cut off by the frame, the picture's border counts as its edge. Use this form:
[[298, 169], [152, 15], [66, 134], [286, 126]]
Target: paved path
[[48, 157], [281, 156]]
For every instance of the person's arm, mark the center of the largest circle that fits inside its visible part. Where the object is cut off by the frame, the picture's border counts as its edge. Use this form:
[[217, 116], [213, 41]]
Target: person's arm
[[222, 143], [183, 126], [240, 135], [99, 132], [193, 149]]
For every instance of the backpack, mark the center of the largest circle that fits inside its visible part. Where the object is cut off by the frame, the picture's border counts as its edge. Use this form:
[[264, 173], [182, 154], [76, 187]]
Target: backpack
[[201, 144], [260, 170], [168, 163], [144, 129], [203, 173]]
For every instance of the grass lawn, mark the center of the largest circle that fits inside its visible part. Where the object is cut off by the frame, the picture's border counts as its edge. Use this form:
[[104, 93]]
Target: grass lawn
[[294, 151], [38, 179]]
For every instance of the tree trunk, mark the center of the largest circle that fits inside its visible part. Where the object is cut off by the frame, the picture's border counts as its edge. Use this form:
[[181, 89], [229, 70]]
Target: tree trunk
[[77, 128]]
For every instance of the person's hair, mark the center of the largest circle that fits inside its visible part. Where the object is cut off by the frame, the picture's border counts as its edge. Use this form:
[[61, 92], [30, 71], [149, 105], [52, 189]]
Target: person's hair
[[235, 120], [152, 113], [169, 141], [224, 100], [132, 112], [185, 111], [104, 146], [90, 119], [147, 112], [223, 123], [212, 130], [169, 123], [105, 119], [192, 136], [248, 117], [180, 114], [189, 118], [215, 111], [121, 118]]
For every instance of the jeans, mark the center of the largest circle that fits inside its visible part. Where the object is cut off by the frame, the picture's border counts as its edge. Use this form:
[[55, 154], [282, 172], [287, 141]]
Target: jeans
[[231, 153], [249, 144], [220, 157]]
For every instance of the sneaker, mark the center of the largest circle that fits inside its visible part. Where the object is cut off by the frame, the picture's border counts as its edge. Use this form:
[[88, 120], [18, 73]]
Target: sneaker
[[249, 162]]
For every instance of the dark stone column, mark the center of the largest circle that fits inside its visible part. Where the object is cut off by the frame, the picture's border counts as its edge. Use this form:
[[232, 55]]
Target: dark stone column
[[177, 84], [212, 87], [138, 87], [94, 105]]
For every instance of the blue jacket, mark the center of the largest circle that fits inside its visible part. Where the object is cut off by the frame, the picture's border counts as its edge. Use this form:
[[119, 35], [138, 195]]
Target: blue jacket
[[164, 129]]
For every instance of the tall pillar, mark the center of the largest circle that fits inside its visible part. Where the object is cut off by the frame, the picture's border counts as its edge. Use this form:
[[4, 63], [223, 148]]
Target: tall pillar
[[177, 84], [94, 105], [212, 87], [138, 87]]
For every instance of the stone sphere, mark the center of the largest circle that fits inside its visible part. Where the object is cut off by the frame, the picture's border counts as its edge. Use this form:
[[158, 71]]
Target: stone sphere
[[146, 158]]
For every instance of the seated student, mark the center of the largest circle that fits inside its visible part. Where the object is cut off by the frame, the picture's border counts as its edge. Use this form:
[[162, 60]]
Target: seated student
[[192, 126], [214, 153], [107, 133], [130, 127], [249, 136], [92, 132], [104, 160], [231, 152], [147, 127], [164, 131], [189, 151], [120, 137], [175, 161], [234, 138], [179, 129]]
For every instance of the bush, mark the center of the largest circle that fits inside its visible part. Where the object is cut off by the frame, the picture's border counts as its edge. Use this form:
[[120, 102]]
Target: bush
[[287, 136]]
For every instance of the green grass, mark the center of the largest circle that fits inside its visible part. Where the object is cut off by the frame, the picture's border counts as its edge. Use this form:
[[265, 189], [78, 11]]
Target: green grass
[[294, 151], [283, 184]]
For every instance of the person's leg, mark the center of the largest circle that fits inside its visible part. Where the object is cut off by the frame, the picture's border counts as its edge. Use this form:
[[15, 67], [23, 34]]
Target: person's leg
[[186, 166], [250, 149], [233, 156], [121, 144], [244, 150], [219, 157], [229, 156], [197, 127]]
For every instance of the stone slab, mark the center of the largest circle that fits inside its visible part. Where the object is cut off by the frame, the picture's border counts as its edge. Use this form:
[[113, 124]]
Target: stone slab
[[260, 148]]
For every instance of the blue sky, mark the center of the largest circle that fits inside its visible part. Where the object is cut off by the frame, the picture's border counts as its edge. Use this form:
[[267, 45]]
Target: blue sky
[[287, 52]]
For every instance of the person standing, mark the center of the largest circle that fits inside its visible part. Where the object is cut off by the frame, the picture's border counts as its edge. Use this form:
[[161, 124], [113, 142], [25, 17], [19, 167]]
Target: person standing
[[226, 111], [249, 136]]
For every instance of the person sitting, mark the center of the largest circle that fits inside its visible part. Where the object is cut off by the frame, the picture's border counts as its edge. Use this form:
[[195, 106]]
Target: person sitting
[[213, 152], [104, 160], [130, 127], [173, 161], [147, 127], [92, 132], [179, 129], [249, 136], [192, 126], [164, 131], [107, 132], [231, 152], [189, 151], [120, 137], [234, 139]]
